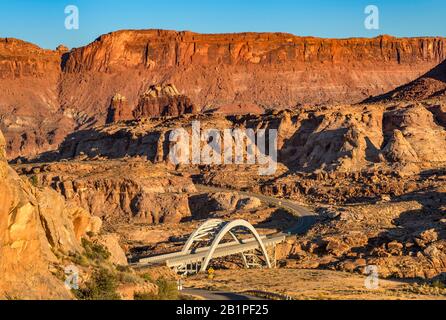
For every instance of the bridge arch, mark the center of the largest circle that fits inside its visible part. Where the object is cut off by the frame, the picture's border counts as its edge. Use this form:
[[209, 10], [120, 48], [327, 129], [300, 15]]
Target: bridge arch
[[227, 229], [208, 228]]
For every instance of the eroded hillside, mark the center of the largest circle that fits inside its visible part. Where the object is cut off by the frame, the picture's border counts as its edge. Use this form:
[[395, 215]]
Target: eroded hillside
[[48, 94]]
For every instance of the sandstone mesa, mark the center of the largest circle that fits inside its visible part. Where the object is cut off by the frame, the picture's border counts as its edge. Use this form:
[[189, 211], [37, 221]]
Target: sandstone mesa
[[48, 94]]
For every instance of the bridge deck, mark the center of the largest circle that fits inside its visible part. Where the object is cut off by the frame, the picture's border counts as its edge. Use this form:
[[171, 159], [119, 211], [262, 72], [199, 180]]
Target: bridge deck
[[225, 249]]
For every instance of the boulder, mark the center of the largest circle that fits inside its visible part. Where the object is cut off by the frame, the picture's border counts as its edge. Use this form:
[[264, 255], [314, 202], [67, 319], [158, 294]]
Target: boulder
[[426, 238], [111, 242], [395, 248], [249, 203], [336, 247]]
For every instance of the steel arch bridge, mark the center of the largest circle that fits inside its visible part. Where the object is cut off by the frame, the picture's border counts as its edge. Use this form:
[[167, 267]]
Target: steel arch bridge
[[210, 241]]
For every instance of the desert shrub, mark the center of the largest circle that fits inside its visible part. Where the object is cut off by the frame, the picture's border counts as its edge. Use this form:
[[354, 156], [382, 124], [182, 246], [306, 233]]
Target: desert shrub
[[124, 269], [145, 296], [101, 286], [167, 290], [128, 277], [438, 284], [90, 234], [34, 181], [147, 277], [95, 251], [79, 259]]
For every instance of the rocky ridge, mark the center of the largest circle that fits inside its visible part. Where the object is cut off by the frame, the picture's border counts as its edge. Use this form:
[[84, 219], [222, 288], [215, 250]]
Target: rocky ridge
[[118, 191], [339, 139], [48, 94]]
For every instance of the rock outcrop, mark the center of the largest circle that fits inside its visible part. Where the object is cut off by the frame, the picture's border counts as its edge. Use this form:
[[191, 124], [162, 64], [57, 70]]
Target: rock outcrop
[[37, 228], [119, 109], [163, 101], [338, 139], [157, 101], [48, 94], [399, 149], [217, 204], [420, 129], [119, 191]]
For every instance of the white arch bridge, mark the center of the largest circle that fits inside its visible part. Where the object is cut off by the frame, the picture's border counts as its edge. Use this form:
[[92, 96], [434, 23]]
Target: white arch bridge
[[210, 241]]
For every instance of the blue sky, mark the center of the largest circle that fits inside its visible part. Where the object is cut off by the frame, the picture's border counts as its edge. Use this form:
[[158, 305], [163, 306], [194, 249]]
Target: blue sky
[[42, 21]]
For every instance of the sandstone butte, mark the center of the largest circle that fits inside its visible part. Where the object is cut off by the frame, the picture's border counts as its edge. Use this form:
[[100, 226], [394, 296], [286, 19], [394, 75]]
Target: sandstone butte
[[47, 94]]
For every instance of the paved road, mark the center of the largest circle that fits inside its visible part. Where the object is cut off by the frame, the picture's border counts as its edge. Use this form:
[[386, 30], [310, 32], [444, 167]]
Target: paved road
[[306, 217], [305, 221], [218, 295]]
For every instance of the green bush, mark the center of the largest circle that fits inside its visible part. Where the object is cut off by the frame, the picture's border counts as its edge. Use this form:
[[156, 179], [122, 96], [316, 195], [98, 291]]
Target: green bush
[[147, 277], [79, 260], [438, 284], [123, 268], [95, 251], [34, 181], [102, 286], [128, 277], [167, 290]]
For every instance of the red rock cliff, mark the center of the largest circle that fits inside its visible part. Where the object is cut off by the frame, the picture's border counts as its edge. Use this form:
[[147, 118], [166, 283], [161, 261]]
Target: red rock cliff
[[154, 49], [273, 69], [29, 97], [46, 94], [19, 59]]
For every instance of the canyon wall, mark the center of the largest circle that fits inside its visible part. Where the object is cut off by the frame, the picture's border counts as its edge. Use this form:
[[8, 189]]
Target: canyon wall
[[39, 230], [272, 69], [29, 97], [47, 94]]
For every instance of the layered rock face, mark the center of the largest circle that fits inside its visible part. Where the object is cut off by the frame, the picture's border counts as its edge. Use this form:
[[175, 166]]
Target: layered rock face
[[22, 60], [273, 69], [37, 227], [340, 139], [157, 101], [47, 94], [30, 110], [163, 101], [119, 192], [429, 86]]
